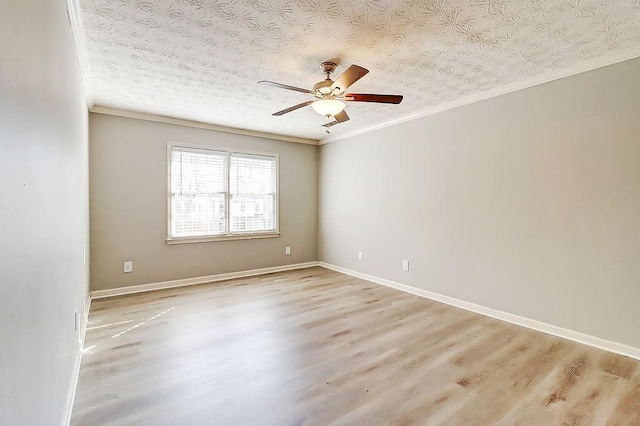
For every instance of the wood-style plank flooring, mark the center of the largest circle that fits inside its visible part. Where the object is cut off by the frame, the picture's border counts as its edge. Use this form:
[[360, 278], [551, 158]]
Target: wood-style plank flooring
[[317, 347]]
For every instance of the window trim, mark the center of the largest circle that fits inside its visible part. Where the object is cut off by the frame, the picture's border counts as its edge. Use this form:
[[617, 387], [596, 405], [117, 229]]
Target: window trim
[[229, 236]]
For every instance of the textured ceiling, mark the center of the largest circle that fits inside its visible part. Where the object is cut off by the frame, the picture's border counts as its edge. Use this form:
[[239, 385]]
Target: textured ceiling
[[201, 59]]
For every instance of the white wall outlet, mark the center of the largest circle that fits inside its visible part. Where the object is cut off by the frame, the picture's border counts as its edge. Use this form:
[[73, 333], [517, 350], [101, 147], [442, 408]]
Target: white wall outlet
[[287, 250], [405, 265], [128, 266], [360, 256]]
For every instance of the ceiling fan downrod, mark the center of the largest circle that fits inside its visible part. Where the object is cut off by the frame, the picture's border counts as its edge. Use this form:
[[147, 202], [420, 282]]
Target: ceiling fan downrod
[[328, 68]]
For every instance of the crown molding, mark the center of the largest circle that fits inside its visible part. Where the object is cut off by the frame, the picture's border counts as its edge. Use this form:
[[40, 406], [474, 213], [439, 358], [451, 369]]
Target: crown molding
[[197, 124], [590, 65], [75, 20]]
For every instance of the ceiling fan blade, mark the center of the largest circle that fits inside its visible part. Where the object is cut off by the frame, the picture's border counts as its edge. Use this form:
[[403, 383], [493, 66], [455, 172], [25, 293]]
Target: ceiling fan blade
[[284, 86], [365, 97], [350, 76], [293, 108], [341, 117]]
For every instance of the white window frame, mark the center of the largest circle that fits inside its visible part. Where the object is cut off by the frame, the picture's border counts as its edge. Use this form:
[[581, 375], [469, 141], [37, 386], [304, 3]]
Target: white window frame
[[230, 235]]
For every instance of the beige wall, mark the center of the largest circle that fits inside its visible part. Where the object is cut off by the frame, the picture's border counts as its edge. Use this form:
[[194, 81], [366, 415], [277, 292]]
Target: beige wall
[[43, 210], [128, 167], [527, 203]]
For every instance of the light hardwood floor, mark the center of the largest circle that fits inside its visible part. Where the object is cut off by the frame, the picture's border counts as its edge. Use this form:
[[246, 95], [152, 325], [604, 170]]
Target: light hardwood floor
[[314, 346]]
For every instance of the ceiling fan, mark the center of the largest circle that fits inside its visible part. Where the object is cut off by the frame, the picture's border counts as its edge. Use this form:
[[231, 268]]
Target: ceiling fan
[[330, 96]]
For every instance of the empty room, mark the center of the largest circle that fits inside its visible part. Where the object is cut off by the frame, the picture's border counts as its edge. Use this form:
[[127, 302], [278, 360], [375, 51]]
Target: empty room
[[310, 212]]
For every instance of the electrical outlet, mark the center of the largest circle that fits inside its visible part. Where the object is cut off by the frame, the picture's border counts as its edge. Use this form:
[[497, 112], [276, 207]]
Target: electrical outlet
[[405, 265], [128, 266], [360, 256], [287, 250]]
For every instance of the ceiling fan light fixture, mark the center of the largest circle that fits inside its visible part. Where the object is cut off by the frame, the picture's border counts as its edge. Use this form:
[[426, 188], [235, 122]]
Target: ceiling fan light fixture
[[328, 107]]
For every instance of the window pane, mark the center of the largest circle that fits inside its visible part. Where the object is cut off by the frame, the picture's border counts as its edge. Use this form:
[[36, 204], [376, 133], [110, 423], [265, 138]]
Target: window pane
[[197, 173], [252, 213], [252, 175], [198, 193], [252, 180], [197, 215]]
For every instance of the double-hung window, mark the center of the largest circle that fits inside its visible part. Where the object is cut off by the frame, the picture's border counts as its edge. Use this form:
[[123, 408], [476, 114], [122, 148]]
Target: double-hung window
[[218, 193]]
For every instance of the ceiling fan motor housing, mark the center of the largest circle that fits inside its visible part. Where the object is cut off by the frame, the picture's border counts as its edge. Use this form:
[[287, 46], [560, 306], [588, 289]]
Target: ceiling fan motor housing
[[324, 86], [328, 67]]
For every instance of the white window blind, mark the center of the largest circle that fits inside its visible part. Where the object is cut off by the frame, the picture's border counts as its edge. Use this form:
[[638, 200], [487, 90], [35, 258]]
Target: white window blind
[[219, 193], [253, 192]]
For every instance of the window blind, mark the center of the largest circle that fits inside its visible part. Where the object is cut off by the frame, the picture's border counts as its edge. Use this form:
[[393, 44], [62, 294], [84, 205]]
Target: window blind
[[198, 193], [219, 193], [253, 192]]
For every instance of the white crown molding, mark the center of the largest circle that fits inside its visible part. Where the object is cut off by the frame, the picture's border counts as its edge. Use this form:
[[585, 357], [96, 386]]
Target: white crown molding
[[75, 19], [71, 396], [197, 124], [99, 294], [553, 330], [590, 65], [583, 67]]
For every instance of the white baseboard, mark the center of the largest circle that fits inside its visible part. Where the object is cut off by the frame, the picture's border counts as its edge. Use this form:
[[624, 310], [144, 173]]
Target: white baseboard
[[66, 419], [564, 333], [99, 294]]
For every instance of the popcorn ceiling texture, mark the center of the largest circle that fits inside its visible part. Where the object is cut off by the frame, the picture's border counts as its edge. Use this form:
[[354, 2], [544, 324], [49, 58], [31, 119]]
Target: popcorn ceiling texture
[[201, 59]]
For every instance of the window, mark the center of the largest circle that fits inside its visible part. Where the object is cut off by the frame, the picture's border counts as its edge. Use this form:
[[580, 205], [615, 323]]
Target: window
[[221, 194]]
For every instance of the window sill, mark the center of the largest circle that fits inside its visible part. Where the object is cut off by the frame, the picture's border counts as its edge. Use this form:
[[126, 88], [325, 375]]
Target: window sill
[[192, 240]]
